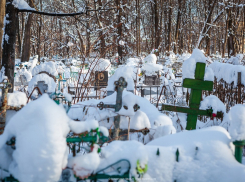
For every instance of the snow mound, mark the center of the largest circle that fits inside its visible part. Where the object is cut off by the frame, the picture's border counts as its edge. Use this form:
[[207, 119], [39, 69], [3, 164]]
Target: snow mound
[[214, 102], [24, 72], [132, 62], [84, 165], [228, 72], [42, 77], [127, 72], [82, 126], [129, 150], [40, 129], [151, 58], [236, 117], [101, 65], [189, 66], [49, 67], [151, 68], [200, 158], [17, 99], [140, 121]]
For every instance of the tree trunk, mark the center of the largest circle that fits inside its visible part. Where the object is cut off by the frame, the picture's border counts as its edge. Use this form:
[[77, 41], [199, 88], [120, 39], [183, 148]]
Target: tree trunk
[[169, 25], [2, 14], [230, 39], [26, 48], [27, 40], [119, 31], [8, 58], [176, 45], [138, 28], [101, 35], [157, 38]]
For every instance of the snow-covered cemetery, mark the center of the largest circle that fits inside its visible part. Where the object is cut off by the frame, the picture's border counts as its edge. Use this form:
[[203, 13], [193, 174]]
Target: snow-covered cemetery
[[122, 90]]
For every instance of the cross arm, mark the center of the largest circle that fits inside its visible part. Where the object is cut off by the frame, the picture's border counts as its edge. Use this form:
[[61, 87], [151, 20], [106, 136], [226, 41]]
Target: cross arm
[[187, 110], [198, 84], [101, 106]]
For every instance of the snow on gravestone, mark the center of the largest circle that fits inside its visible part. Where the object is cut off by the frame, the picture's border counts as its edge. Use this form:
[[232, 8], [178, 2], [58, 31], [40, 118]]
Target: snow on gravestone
[[40, 129], [236, 118], [127, 72]]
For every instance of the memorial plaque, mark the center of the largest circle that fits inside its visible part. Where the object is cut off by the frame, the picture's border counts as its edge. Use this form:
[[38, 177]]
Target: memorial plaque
[[101, 79], [152, 80]]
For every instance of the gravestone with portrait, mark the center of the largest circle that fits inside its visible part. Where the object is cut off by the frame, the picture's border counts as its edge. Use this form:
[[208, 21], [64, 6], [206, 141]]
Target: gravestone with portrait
[[101, 79], [152, 80]]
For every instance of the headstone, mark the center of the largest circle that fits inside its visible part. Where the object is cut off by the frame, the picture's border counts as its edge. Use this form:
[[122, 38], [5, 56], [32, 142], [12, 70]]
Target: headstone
[[152, 80], [101, 79], [42, 86], [22, 81]]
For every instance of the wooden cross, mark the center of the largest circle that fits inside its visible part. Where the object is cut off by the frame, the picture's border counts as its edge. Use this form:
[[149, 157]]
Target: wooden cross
[[197, 85]]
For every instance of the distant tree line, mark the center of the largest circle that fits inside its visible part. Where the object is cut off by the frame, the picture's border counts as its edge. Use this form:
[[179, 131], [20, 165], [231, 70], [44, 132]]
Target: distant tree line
[[129, 27]]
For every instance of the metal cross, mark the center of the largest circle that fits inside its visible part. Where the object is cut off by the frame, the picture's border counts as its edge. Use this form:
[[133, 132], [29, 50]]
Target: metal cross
[[197, 85], [42, 86], [119, 86]]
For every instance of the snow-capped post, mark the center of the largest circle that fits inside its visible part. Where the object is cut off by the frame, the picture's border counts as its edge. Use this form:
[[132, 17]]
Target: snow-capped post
[[239, 150], [9, 40], [236, 118], [119, 87], [197, 85], [5, 86]]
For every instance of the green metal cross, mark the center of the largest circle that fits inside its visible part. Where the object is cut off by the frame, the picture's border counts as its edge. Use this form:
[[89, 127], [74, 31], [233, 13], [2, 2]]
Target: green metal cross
[[197, 85]]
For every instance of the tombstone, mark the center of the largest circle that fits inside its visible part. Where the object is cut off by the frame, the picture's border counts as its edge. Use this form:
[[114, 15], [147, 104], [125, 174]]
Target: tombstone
[[22, 81], [101, 79], [152, 80], [42, 86]]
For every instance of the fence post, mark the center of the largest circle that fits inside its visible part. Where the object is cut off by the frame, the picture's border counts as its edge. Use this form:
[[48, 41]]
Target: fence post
[[239, 150]]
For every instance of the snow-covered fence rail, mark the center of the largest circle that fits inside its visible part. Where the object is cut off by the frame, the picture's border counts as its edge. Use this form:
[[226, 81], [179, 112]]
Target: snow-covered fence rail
[[77, 94], [229, 93]]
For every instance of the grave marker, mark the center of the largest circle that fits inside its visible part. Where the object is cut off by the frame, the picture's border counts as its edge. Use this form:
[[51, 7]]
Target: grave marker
[[197, 85], [42, 86], [152, 80], [119, 87], [101, 79]]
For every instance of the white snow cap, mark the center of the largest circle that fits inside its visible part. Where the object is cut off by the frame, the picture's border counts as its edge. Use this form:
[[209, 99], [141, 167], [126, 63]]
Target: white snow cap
[[17, 99], [40, 129], [151, 58], [236, 117], [189, 66], [127, 72], [150, 67], [49, 67], [228, 72], [214, 102], [84, 165], [42, 77], [82, 126], [101, 65], [140, 121], [22, 4]]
